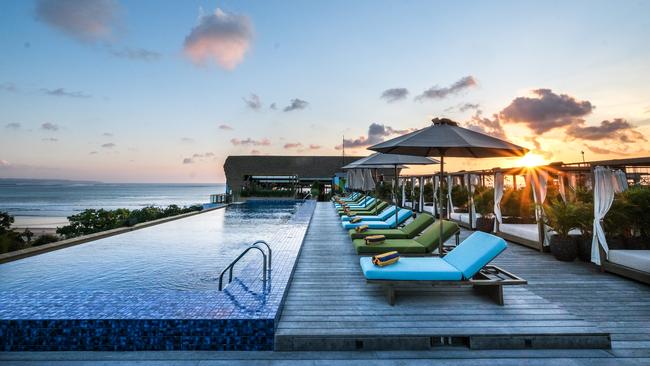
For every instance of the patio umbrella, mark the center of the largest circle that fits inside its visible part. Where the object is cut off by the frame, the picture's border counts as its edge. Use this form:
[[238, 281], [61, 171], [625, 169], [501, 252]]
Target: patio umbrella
[[445, 138], [394, 160]]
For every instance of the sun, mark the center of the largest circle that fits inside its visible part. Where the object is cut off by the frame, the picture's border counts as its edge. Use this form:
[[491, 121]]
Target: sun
[[532, 160]]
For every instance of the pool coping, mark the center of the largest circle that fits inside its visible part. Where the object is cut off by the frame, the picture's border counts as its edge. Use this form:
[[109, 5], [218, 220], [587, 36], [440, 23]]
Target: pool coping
[[66, 243]]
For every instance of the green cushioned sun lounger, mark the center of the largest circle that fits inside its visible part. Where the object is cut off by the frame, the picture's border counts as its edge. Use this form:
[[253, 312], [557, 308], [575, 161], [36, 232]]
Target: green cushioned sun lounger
[[381, 206], [423, 244], [364, 203], [381, 216], [369, 207], [412, 229], [467, 264]]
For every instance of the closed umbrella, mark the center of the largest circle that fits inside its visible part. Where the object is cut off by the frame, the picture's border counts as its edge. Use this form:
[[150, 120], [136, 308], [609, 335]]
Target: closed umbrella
[[444, 138]]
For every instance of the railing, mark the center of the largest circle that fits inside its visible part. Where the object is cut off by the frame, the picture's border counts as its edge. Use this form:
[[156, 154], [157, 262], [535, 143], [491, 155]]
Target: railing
[[220, 198], [255, 245], [308, 195]]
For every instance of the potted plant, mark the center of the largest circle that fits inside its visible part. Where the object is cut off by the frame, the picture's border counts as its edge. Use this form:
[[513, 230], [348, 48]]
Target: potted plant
[[484, 204], [638, 199], [562, 218]]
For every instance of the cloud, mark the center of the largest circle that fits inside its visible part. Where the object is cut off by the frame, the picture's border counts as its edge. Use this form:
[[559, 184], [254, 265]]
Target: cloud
[[436, 92], [209, 154], [188, 161], [84, 20], [546, 110], [93, 153], [249, 141], [50, 139], [220, 37], [9, 87], [108, 145], [273, 106], [548, 155], [225, 127], [376, 134], [602, 151], [197, 155], [314, 147], [489, 126], [253, 102], [468, 106], [292, 145], [4, 163], [617, 129], [60, 92], [107, 134], [50, 126], [296, 104], [394, 94], [13, 126], [255, 152], [136, 54], [187, 140]]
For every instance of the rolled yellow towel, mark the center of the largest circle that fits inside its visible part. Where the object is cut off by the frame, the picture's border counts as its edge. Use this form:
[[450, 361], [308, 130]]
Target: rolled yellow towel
[[361, 228], [354, 220], [385, 259], [374, 239]]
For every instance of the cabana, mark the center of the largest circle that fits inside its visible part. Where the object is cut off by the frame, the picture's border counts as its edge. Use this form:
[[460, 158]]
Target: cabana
[[470, 181], [609, 178]]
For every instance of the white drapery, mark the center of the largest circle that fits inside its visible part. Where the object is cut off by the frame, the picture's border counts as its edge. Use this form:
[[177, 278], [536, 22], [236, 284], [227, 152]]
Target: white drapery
[[498, 195], [561, 187], [368, 181], [348, 180], [450, 204], [606, 185], [436, 196], [473, 181], [403, 192], [621, 179], [539, 181], [421, 201]]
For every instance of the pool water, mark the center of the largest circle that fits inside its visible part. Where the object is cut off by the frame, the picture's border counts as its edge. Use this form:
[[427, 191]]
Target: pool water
[[186, 254]]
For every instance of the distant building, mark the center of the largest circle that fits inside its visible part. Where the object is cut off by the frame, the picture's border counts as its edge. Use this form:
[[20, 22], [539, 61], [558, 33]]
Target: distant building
[[272, 175]]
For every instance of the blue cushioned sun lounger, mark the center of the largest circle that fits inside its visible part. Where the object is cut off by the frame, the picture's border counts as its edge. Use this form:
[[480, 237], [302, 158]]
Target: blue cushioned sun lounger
[[363, 203], [465, 264], [351, 197], [402, 215], [383, 216]]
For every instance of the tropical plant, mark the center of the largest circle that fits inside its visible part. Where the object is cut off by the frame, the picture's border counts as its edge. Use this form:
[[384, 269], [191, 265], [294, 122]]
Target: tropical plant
[[484, 201], [562, 217], [5, 222], [45, 239]]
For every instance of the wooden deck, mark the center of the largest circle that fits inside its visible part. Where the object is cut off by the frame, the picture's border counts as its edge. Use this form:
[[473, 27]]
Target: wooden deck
[[566, 305]]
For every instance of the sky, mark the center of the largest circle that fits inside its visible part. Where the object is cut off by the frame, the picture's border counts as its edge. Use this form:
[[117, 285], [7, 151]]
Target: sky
[[164, 91]]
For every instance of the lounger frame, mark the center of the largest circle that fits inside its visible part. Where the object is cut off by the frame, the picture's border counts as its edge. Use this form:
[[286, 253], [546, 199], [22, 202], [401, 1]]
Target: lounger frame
[[621, 270], [489, 281]]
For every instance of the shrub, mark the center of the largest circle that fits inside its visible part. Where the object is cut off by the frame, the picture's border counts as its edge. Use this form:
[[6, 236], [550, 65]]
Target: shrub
[[45, 239], [518, 203], [562, 217], [484, 200], [5, 222]]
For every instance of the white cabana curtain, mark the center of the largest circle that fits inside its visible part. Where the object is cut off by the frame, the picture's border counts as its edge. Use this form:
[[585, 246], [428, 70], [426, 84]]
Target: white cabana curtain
[[561, 187], [436, 197], [621, 179], [606, 185], [403, 192], [348, 180], [368, 181], [473, 182], [421, 200], [498, 195], [539, 181], [450, 204]]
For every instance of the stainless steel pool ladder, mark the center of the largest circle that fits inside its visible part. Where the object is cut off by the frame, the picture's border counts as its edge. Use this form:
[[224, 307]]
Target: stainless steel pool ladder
[[264, 258], [308, 195]]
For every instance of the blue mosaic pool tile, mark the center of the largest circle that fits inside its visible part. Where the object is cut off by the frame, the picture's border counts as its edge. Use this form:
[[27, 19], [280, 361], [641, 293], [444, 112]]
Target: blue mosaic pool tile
[[243, 317]]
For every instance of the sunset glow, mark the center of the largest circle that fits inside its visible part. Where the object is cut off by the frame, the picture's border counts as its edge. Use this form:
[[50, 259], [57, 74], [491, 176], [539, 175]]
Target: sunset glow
[[531, 160]]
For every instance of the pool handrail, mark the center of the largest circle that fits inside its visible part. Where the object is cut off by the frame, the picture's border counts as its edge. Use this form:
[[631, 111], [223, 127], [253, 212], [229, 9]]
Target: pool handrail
[[231, 266]]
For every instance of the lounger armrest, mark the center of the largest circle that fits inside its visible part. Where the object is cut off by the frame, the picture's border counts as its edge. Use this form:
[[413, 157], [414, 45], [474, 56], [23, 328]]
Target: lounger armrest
[[491, 275]]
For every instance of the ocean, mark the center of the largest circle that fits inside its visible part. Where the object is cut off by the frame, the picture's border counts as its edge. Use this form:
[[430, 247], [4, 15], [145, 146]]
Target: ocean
[[46, 204]]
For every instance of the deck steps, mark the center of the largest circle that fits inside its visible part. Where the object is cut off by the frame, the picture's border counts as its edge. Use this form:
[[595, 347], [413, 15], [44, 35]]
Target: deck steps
[[330, 307]]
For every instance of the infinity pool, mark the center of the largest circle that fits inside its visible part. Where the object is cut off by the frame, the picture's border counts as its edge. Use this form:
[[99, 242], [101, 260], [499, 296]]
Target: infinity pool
[[157, 288]]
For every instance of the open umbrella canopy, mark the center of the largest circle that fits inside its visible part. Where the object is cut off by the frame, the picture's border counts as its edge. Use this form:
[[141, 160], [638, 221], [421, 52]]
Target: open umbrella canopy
[[445, 138], [389, 160]]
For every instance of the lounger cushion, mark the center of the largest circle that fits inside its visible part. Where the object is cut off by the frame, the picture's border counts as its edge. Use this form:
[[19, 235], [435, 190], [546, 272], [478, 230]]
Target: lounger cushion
[[411, 269], [388, 233], [407, 232], [431, 236], [635, 259], [383, 216], [475, 252], [404, 246], [390, 223]]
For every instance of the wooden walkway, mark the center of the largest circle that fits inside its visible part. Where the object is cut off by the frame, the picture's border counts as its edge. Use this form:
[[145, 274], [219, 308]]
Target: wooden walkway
[[330, 307]]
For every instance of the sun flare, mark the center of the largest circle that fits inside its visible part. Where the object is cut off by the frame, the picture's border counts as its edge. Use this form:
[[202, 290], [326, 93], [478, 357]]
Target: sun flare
[[532, 160]]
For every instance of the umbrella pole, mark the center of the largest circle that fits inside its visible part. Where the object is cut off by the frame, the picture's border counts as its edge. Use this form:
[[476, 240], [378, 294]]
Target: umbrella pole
[[395, 197], [442, 167]]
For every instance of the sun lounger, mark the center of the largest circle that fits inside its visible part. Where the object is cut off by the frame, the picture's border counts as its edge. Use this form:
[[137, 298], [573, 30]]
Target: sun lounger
[[413, 228], [390, 223], [362, 204], [354, 196], [467, 264], [421, 245], [369, 207], [381, 206], [382, 216]]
